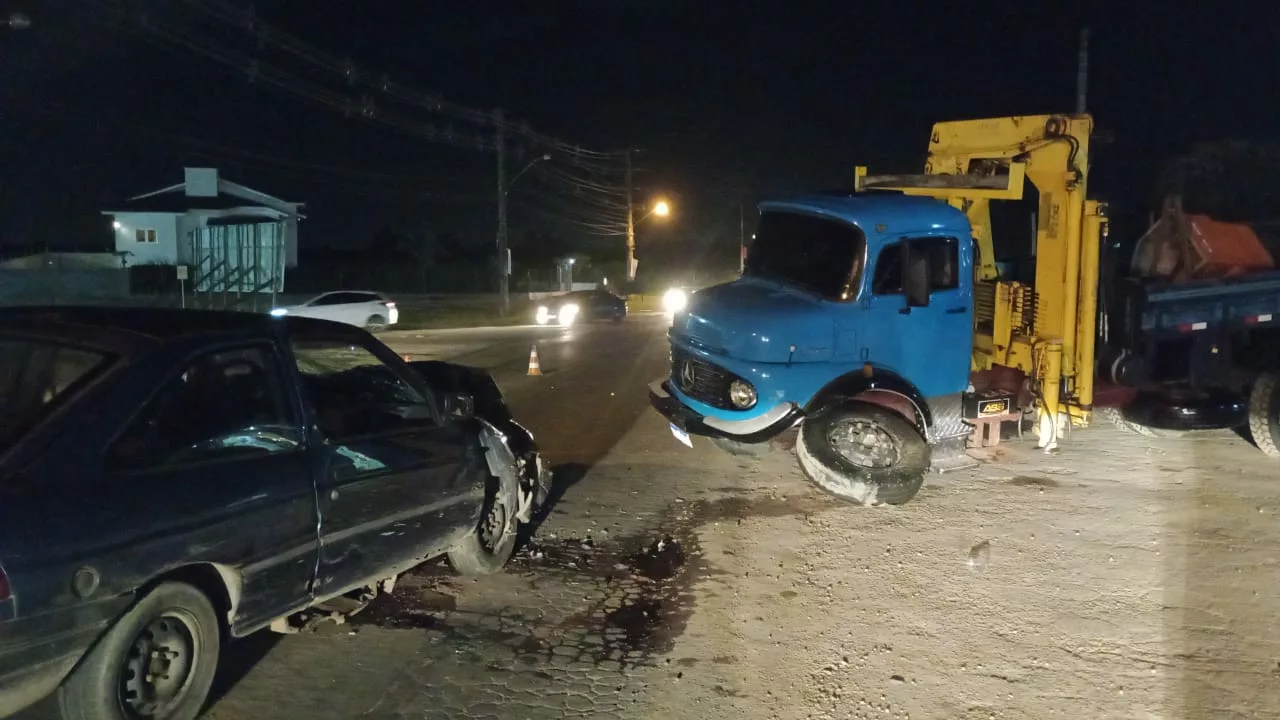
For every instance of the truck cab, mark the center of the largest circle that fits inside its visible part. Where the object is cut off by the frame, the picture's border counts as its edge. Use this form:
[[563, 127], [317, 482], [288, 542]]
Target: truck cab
[[854, 320]]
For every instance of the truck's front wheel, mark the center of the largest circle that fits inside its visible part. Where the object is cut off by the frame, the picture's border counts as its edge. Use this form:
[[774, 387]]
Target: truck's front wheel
[[863, 453], [1264, 414]]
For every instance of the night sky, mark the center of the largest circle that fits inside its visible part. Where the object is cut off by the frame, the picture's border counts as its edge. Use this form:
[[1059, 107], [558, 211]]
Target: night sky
[[730, 100]]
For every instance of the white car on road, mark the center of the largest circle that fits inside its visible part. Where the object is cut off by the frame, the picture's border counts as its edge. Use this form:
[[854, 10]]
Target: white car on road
[[369, 310]]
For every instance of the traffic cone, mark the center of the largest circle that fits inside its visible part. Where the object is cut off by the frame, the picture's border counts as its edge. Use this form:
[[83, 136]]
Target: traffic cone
[[534, 368]]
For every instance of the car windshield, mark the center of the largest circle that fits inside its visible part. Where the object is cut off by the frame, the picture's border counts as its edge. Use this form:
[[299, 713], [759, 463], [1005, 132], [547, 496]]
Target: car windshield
[[36, 376], [820, 255]]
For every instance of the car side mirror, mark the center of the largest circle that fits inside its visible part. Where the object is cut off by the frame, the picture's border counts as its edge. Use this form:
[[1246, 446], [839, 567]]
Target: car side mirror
[[460, 406], [915, 278]]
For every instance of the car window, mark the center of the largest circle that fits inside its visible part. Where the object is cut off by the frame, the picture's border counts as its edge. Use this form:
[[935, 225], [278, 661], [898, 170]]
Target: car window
[[227, 404], [353, 393], [35, 376], [941, 254]]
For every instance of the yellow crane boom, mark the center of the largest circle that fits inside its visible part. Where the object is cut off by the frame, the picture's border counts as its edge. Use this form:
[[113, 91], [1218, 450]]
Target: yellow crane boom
[[1045, 331]]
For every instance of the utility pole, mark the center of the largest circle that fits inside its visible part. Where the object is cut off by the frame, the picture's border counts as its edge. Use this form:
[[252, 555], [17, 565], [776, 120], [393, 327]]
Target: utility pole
[[1082, 72], [631, 226], [503, 253]]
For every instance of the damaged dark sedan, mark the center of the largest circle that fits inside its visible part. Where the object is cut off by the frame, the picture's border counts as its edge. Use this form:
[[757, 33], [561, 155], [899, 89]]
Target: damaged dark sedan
[[169, 479]]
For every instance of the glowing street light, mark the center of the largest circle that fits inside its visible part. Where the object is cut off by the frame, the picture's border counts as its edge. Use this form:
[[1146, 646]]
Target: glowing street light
[[661, 208]]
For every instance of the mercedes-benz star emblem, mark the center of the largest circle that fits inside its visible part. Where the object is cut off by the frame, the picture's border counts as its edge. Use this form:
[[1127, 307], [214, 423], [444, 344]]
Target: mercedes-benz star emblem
[[687, 375]]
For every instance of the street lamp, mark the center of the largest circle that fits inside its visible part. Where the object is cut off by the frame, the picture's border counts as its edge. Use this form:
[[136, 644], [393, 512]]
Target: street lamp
[[661, 208], [504, 251], [535, 161]]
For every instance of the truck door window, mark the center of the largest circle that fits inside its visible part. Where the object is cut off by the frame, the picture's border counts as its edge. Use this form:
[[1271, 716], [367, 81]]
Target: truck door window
[[941, 254], [356, 394], [226, 404]]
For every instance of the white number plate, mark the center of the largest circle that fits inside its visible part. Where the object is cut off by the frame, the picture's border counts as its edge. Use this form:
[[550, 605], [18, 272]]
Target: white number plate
[[681, 435]]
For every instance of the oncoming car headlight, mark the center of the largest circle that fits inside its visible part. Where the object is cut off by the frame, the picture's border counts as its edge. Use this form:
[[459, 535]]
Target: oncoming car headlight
[[742, 394], [543, 316], [675, 300], [567, 314]]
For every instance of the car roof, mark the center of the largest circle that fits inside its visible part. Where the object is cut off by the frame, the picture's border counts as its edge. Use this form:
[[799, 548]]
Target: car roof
[[131, 328], [876, 212], [339, 292]]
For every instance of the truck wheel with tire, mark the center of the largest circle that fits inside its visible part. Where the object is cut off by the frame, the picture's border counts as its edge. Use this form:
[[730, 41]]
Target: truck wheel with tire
[[486, 549], [157, 661], [1264, 414], [863, 453], [1116, 417]]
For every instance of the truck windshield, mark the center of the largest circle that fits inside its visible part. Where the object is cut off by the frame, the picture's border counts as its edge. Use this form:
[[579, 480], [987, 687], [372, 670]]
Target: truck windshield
[[37, 375], [819, 255]]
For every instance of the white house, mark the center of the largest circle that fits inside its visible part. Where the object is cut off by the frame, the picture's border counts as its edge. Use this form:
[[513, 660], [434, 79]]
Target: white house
[[169, 226]]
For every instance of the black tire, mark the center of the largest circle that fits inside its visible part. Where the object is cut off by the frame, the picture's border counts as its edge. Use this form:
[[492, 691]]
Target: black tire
[[98, 687], [375, 323], [739, 449], [893, 483], [486, 549], [1264, 414], [1116, 417]]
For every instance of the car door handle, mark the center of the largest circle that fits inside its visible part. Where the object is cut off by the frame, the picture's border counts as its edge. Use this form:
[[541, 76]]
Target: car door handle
[[956, 310]]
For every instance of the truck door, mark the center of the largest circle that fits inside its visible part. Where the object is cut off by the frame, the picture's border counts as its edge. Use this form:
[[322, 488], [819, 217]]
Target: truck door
[[928, 338]]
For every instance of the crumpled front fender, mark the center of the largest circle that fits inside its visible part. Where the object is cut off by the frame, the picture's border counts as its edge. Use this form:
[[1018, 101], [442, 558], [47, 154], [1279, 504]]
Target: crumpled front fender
[[504, 464]]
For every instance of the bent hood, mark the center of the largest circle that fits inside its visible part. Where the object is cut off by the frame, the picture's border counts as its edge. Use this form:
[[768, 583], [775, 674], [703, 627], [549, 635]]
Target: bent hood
[[757, 321]]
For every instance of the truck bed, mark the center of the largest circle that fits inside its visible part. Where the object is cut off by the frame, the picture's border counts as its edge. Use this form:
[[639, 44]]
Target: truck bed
[[1154, 309]]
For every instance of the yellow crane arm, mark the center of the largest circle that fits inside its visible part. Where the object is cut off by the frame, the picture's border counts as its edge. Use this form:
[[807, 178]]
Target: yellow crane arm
[[1046, 330]]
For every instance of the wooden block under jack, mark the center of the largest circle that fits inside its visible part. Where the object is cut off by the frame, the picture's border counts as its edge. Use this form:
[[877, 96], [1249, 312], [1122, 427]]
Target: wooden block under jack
[[986, 431]]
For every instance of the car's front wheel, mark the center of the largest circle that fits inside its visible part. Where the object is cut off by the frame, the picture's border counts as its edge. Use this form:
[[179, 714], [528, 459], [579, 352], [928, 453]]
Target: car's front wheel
[[863, 453], [157, 661], [375, 323], [486, 549]]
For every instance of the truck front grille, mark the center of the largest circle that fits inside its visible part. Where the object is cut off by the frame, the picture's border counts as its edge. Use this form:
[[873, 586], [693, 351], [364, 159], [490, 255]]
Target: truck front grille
[[701, 380]]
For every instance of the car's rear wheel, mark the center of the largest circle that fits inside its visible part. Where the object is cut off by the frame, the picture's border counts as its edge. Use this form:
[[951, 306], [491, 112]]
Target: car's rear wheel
[[486, 549], [375, 323], [157, 661], [863, 453]]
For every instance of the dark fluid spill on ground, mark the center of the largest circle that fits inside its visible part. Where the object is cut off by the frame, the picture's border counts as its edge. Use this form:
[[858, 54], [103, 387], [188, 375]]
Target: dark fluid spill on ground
[[638, 620], [661, 560], [1033, 481]]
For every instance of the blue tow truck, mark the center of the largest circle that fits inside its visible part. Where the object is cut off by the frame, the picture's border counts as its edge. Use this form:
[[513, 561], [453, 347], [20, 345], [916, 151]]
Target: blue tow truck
[[854, 320]]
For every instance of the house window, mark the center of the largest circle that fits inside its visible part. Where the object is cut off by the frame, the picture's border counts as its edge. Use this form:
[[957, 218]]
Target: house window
[[145, 235]]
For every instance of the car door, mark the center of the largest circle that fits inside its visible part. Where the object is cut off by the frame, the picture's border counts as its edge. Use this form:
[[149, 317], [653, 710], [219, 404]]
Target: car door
[[903, 335], [216, 459], [363, 307], [320, 307], [397, 480]]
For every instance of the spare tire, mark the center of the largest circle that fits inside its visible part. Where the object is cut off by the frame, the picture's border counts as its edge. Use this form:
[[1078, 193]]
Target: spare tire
[[1116, 416], [1264, 414], [863, 453]]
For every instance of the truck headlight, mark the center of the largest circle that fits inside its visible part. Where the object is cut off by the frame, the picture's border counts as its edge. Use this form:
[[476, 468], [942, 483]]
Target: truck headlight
[[542, 316], [675, 300], [742, 394]]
